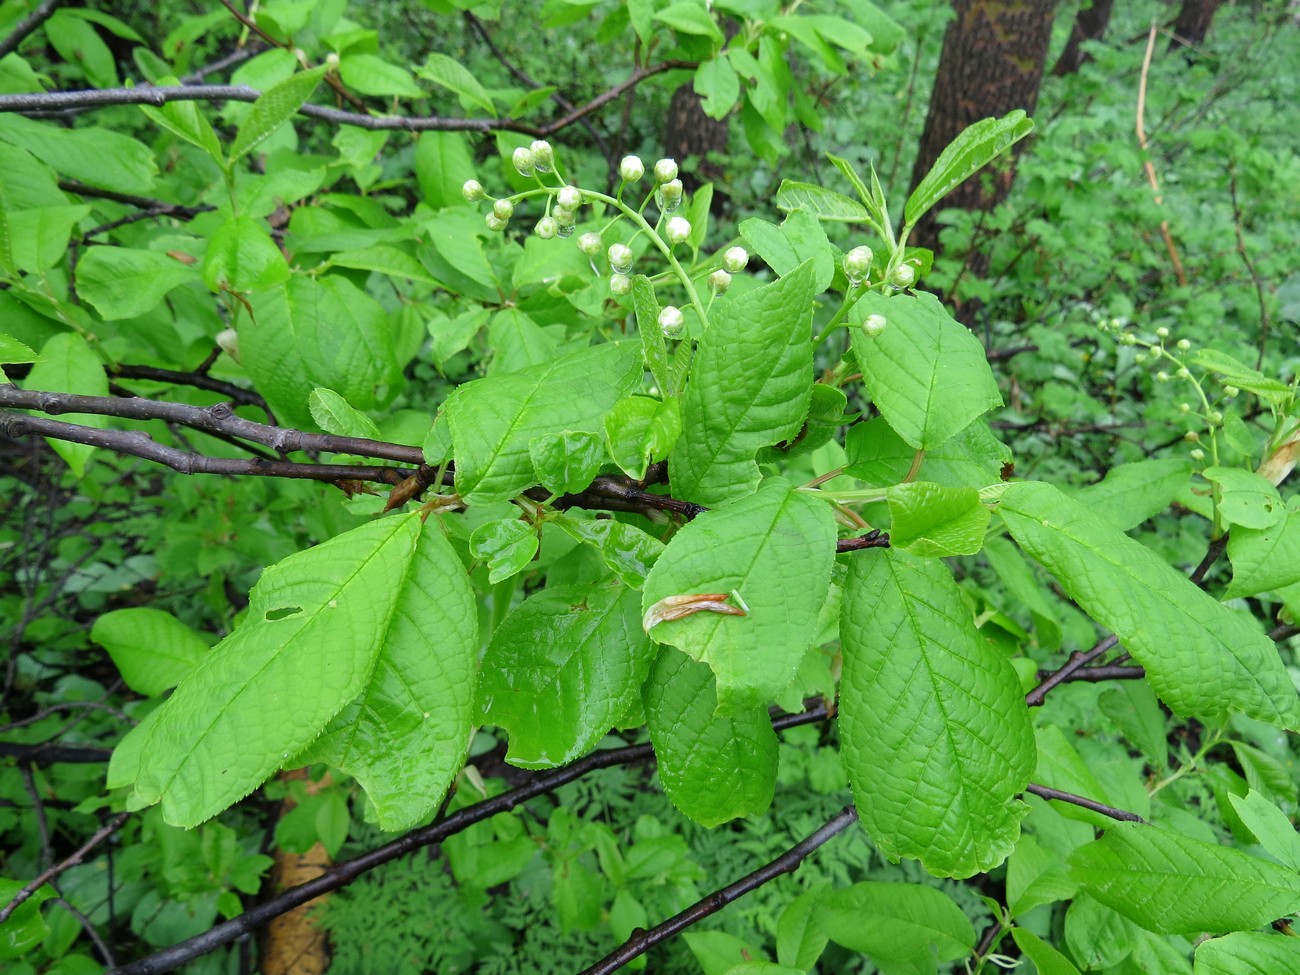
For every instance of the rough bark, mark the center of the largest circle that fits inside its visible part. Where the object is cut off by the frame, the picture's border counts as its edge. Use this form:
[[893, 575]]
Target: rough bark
[[688, 133], [992, 62], [1089, 25], [1192, 23], [292, 943]]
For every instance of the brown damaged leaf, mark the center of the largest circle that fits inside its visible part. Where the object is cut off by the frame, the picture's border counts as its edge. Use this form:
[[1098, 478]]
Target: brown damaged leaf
[[679, 607]]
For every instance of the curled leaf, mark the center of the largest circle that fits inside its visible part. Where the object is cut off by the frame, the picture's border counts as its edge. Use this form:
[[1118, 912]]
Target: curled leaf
[[679, 607]]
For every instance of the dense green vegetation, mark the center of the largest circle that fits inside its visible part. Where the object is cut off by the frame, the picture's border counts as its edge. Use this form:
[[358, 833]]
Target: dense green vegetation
[[412, 475]]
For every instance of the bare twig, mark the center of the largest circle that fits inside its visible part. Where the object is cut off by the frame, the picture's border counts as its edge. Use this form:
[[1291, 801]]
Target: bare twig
[[1097, 674], [46, 753], [1076, 662], [787, 862], [101, 834], [1147, 164], [1113, 812], [1255, 279], [28, 24]]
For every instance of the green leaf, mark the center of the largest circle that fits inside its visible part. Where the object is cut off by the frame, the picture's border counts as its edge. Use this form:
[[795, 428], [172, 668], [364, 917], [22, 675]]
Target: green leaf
[[443, 162], [1271, 827], [896, 922], [927, 374], [24, 929], [79, 43], [273, 108], [335, 415], [35, 240], [640, 430], [929, 519], [753, 547], [799, 238], [1172, 884], [654, 349], [799, 938], [372, 75], [316, 622], [1023, 587], [506, 546], [1233, 372], [1200, 657], [452, 75], [96, 156], [1248, 953], [125, 283], [152, 650], [518, 342], [1245, 498], [186, 120], [15, 352], [242, 256], [67, 365], [714, 766], [1131, 493], [405, 736], [718, 86], [972, 457], [976, 147], [567, 462], [1036, 876], [1046, 959], [627, 550], [386, 260], [493, 420], [1265, 559], [935, 732], [562, 669], [824, 204], [691, 18], [750, 388]]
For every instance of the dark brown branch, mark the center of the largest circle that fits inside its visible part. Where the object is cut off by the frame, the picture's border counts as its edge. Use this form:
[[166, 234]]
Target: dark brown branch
[[28, 24], [787, 862], [1094, 675], [342, 874], [101, 834], [1078, 660], [1113, 812], [46, 753], [197, 379]]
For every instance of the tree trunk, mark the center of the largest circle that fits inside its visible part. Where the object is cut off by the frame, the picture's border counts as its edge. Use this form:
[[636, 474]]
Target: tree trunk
[[690, 133], [1193, 23], [992, 62], [1089, 25]]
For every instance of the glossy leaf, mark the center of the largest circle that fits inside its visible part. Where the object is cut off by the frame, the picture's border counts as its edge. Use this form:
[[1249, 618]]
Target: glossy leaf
[[750, 387], [714, 766], [1248, 953], [186, 120], [562, 669], [896, 922], [1129, 494], [783, 248], [123, 283], [151, 649], [506, 546], [972, 457], [935, 733], [1271, 827], [640, 430], [654, 348], [568, 461], [336, 415], [1172, 884], [68, 365], [241, 255], [626, 550], [927, 374], [1046, 959], [452, 75], [372, 75], [93, 155], [929, 519], [1265, 559], [1245, 498], [753, 547], [822, 203], [1200, 657], [273, 108]]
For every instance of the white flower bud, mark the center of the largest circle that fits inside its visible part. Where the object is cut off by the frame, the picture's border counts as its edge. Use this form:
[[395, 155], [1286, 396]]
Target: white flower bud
[[678, 229], [1198, 454], [546, 228], [665, 170], [503, 209], [332, 61], [620, 258], [1162, 377], [1162, 332], [589, 244], [903, 276], [569, 197], [1128, 338], [1140, 357], [496, 223], [719, 282], [523, 160], [671, 321], [1184, 408], [1184, 345], [1214, 418], [1231, 392], [631, 169], [473, 191], [543, 155], [563, 216], [620, 284], [669, 195], [857, 263], [874, 325], [735, 259], [1184, 373]]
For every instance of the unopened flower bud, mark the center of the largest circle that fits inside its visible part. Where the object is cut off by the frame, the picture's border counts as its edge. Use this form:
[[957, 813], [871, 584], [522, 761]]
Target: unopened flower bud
[[503, 209], [564, 216], [1184, 408], [631, 169], [857, 263], [543, 155], [1215, 418], [678, 230], [1198, 454], [665, 170], [523, 160], [1191, 436], [1140, 357], [496, 223], [1184, 345], [671, 321], [670, 195], [473, 190], [1128, 338], [546, 228], [569, 197], [719, 282], [903, 276], [620, 284], [1162, 376], [620, 258], [1162, 332], [874, 325], [735, 259], [589, 244], [1231, 392], [1184, 373], [332, 61]]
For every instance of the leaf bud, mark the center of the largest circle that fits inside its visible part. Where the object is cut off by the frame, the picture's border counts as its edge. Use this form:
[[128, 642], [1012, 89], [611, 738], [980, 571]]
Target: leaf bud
[[903, 276], [620, 284], [473, 191], [665, 170], [546, 228], [735, 259], [503, 209], [874, 325], [620, 258], [1231, 392], [857, 263], [496, 223], [678, 230], [670, 195], [543, 155], [631, 169], [569, 197], [719, 282], [589, 244], [523, 160], [671, 321]]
